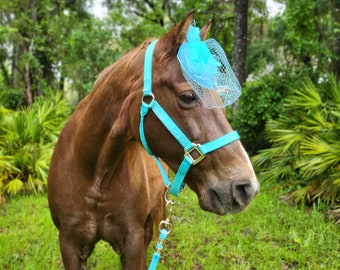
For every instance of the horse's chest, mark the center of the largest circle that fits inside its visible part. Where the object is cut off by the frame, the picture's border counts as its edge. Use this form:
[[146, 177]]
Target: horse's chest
[[114, 221], [114, 210]]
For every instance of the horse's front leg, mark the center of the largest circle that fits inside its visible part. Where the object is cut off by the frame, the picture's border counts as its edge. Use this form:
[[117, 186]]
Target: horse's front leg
[[133, 256], [74, 255]]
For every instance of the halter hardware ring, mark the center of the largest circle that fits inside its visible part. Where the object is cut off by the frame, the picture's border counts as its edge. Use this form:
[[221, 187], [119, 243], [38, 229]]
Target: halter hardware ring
[[146, 96], [187, 153]]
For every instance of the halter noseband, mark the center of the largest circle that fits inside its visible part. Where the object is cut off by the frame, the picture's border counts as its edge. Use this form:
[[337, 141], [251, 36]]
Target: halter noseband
[[187, 145]]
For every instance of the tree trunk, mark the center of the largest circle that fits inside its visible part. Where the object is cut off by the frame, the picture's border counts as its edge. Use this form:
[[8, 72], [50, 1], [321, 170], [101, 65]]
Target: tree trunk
[[336, 38], [240, 40], [28, 88]]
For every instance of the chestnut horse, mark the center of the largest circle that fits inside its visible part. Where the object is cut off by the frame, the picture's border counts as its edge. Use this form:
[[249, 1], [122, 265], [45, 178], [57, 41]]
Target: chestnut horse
[[103, 185]]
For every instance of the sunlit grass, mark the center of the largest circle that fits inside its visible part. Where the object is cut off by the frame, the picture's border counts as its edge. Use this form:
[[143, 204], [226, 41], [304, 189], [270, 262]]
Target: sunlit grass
[[268, 235]]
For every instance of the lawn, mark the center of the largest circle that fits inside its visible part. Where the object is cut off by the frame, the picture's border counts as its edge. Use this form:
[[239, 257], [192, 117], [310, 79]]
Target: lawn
[[268, 235]]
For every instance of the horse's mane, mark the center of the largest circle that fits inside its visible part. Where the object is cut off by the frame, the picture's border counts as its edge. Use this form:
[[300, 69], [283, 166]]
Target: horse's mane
[[107, 99], [126, 71]]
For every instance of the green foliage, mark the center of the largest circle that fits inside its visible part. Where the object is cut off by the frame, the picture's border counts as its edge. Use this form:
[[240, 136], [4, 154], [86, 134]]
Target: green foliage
[[259, 57], [268, 235], [305, 153], [51, 41], [27, 139], [305, 32], [86, 51], [261, 100], [138, 20], [221, 14], [11, 98], [145, 20], [133, 37]]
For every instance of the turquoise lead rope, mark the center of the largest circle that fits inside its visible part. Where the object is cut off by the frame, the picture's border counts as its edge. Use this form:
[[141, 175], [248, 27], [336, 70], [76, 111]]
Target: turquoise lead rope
[[149, 103]]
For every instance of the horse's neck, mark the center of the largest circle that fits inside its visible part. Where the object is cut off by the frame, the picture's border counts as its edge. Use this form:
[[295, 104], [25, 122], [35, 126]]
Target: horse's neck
[[102, 110], [94, 120], [113, 166]]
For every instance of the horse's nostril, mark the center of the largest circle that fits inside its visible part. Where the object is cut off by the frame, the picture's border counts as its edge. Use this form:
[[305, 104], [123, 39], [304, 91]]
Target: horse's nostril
[[243, 193]]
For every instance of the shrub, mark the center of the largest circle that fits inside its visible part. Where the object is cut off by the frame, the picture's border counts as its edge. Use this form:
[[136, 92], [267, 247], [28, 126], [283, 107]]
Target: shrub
[[11, 98], [27, 139], [305, 154], [260, 101]]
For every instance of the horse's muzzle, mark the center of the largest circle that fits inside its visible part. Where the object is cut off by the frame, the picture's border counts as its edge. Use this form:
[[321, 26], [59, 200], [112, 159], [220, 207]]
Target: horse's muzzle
[[231, 200]]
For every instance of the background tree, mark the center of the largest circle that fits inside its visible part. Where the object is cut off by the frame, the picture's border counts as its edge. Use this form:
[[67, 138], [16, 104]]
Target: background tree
[[26, 27], [240, 39], [158, 12], [305, 33], [85, 52], [135, 21], [336, 37], [35, 38]]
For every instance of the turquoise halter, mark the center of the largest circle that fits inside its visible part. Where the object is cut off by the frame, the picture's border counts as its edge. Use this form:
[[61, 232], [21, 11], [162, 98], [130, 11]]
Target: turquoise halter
[[187, 145]]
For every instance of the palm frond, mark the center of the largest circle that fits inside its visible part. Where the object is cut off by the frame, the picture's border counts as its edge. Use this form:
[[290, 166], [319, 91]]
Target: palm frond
[[286, 139], [27, 139], [318, 156], [305, 96], [14, 186], [306, 139], [331, 89]]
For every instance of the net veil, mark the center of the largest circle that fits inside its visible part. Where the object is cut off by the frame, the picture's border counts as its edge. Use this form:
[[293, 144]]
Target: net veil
[[206, 68]]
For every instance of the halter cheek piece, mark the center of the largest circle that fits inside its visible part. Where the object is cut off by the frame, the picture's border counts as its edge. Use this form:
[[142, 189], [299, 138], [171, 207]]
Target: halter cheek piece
[[149, 102]]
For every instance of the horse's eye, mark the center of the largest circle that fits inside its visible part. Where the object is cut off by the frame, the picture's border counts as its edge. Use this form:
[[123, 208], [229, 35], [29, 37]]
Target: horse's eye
[[188, 98]]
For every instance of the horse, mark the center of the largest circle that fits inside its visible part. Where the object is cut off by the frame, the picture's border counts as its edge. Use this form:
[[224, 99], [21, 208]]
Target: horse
[[104, 185]]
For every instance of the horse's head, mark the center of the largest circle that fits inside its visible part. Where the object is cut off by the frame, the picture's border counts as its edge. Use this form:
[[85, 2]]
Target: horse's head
[[224, 180]]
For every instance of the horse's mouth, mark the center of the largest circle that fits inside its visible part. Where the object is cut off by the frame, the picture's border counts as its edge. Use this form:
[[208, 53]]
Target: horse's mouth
[[219, 203]]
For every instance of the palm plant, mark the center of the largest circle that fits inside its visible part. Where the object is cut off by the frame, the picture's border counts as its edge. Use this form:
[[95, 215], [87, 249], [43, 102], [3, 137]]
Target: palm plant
[[27, 139], [305, 153]]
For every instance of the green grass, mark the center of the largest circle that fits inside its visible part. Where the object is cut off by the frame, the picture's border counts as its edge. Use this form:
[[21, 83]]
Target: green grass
[[268, 235]]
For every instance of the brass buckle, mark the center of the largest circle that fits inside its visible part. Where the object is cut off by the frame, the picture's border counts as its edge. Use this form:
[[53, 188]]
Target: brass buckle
[[194, 148]]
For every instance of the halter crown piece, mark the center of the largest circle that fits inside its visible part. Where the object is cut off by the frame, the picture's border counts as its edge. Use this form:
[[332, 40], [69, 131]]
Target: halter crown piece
[[205, 66]]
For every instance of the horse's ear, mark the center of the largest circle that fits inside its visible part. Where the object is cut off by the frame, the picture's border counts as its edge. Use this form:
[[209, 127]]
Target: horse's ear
[[204, 31], [177, 35]]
